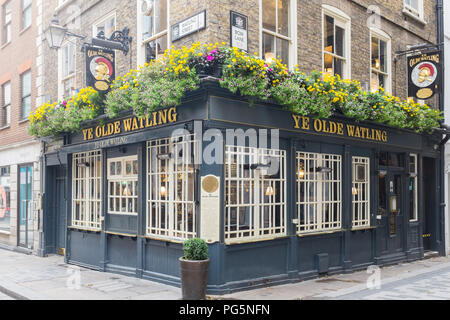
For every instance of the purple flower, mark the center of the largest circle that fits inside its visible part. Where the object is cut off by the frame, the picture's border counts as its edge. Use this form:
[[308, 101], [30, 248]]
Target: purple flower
[[64, 103], [209, 58]]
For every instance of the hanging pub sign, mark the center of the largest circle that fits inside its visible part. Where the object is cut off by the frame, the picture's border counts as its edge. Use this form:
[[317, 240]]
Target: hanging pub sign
[[424, 75], [100, 68], [189, 25], [238, 32]]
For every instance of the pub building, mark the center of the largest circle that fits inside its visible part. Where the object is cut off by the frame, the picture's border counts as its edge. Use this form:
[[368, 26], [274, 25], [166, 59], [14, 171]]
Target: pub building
[[345, 195]]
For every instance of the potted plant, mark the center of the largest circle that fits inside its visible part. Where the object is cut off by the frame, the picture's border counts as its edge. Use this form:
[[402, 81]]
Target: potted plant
[[194, 267]]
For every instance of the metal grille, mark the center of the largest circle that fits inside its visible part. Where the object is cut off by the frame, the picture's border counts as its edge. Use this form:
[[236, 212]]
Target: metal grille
[[319, 192], [361, 192], [255, 202], [171, 209], [87, 190], [123, 186]]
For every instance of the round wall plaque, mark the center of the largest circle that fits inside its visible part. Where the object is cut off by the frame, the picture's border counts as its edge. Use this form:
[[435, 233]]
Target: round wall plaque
[[210, 184]]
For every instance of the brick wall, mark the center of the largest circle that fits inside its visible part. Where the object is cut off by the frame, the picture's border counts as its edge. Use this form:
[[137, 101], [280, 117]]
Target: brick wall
[[17, 57]]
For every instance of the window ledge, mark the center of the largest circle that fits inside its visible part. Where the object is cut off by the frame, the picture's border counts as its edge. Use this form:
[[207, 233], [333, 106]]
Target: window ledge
[[24, 30], [5, 127], [7, 233], [362, 228], [23, 120], [230, 243], [62, 6], [121, 234], [84, 229], [163, 239], [318, 233], [413, 16], [5, 45]]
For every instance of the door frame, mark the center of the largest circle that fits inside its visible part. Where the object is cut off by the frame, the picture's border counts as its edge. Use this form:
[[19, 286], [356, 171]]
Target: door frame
[[23, 165]]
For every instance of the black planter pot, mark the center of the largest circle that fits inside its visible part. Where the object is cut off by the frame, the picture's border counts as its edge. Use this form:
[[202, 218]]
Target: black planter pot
[[194, 278]]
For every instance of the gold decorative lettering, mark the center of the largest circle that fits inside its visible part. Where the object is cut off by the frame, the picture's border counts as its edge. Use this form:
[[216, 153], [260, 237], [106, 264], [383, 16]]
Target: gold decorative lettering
[[172, 115], [127, 124]]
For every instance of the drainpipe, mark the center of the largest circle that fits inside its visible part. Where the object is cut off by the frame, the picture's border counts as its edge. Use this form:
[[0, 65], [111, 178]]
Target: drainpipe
[[442, 220]]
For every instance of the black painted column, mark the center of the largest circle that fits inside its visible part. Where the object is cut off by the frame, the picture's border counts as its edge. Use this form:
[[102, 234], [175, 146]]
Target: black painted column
[[347, 207]]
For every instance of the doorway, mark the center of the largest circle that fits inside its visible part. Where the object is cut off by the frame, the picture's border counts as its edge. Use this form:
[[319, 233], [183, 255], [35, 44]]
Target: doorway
[[430, 205], [25, 217], [60, 209], [391, 207]]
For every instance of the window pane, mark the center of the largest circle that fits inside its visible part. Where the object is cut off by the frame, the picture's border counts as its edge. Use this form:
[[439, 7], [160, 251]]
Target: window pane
[[338, 67], [374, 82], [155, 48], [329, 34], [340, 41], [383, 56], [375, 54], [26, 18], [283, 50], [147, 27], [268, 53], [160, 15], [5, 203], [283, 17], [328, 64], [268, 15], [26, 84], [7, 93]]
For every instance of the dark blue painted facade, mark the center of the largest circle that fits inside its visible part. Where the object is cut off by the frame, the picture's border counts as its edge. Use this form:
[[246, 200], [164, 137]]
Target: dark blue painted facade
[[122, 246]]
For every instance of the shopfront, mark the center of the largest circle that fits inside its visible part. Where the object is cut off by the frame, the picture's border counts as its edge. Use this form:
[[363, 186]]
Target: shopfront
[[312, 197]]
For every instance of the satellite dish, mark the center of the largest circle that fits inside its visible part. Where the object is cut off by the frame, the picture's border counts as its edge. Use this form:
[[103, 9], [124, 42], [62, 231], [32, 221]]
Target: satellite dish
[[147, 7]]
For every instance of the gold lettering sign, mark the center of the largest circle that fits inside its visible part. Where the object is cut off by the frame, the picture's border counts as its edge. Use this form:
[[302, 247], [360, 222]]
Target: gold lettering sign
[[153, 119], [339, 128]]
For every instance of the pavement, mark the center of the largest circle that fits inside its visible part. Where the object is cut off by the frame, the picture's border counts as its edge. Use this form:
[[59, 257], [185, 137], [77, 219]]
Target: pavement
[[30, 277]]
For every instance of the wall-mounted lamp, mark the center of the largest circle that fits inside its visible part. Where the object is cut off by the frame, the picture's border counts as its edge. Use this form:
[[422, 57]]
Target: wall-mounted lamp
[[55, 34], [269, 191], [301, 173], [163, 191], [355, 191]]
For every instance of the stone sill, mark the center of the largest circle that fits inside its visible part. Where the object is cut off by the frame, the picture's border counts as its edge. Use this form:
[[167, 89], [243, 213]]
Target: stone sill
[[413, 16]]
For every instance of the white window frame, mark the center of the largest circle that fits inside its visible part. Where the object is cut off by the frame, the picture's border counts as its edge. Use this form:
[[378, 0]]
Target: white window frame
[[131, 178], [141, 43], [62, 78], [102, 20], [360, 200], [24, 9], [165, 202], [313, 212], [413, 12], [381, 35], [7, 26], [416, 184], [6, 105], [91, 217], [344, 21], [292, 38], [261, 204]]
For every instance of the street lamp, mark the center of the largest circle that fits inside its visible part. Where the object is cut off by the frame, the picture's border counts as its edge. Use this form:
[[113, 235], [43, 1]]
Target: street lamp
[[55, 34]]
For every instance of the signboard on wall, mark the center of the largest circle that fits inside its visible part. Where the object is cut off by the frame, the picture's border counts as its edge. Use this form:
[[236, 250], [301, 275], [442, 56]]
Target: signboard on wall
[[188, 26], [239, 30], [100, 68], [424, 75]]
